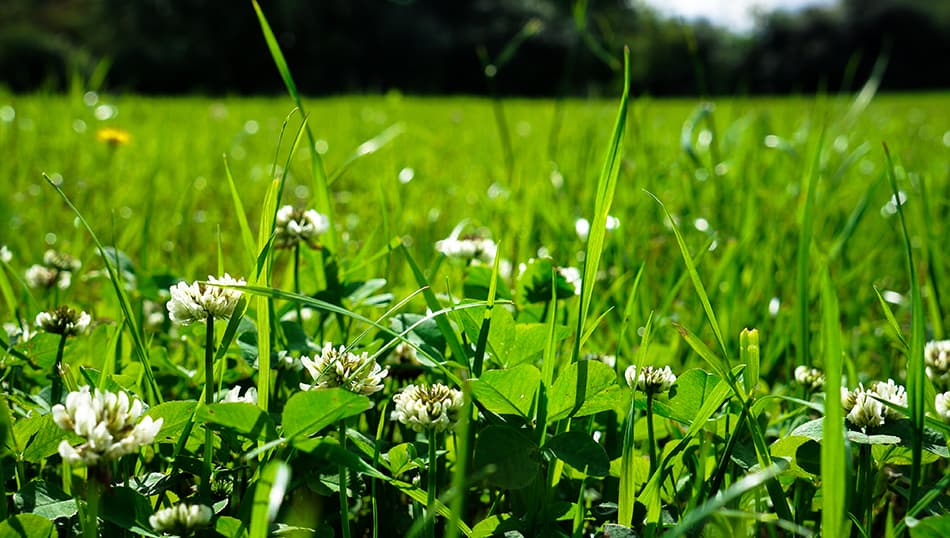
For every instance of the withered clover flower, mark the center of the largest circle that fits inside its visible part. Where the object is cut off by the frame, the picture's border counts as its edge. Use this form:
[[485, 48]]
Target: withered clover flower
[[650, 380], [191, 303], [111, 423], [341, 368], [294, 226], [434, 407], [64, 321]]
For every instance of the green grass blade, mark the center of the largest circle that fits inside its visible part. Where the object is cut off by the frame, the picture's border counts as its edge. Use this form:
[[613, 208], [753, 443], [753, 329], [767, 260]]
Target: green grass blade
[[125, 305], [834, 477], [262, 304], [324, 202], [916, 380], [809, 186], [891, 320], [268, 495], [606, 185], [368, 148], [239, 213]]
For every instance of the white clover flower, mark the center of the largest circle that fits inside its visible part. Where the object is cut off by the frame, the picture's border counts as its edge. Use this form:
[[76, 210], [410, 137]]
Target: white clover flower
[[650, 380], [40, 276], [5, 255], [942, 404], [473, 248], [404, 353], [111, 423], [295, 225], [153, 316], [435, 407], [810, 378], [573, 277], [181, 518], [609, 360], [61, 261], [340, 368], [234, 395], [864, 406], [18, 333], [937, 360], [195, 302], [64, 321]]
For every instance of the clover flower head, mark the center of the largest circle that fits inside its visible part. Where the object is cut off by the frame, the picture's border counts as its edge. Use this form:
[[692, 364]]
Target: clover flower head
[[341, 368], [864, 406], [296, 225], [937, 361], [404, 353], [650, 380], [40, 276], [942, 404], [181, 519], [112, 424], [17, 333], [434, 407], [573, 277], [5, 255], [64, 321], [810, 378], [609, 360], [195, 302], [61, 261], [234, 395], [469, 248]]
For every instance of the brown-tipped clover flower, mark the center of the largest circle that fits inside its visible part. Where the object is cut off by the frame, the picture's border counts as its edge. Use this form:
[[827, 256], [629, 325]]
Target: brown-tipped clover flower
[[61, 261], [810, 378], [111, 423], [937, 361], [181, 519], [650, 380], [64, 321], [294, 226], [864, 408], [191, 303], [434, 408], [40, 276], [341, 368]]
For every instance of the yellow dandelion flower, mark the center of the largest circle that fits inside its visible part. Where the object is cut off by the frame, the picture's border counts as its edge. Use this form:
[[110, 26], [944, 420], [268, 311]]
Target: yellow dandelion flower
[[113, 137]]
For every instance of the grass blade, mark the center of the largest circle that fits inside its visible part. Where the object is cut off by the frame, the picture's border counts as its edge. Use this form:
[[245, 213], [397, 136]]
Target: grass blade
[[834, 518]]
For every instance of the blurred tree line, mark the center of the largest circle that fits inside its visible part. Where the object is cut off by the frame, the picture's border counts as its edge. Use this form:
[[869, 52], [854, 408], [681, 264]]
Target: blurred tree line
[[521, 47]]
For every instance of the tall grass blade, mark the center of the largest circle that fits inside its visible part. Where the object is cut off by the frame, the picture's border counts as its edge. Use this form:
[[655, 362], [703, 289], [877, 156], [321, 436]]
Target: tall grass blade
[[803, 259], [916, 379], [606, 185], [268, 495], [109, 258], [262, 304], [834, 478]]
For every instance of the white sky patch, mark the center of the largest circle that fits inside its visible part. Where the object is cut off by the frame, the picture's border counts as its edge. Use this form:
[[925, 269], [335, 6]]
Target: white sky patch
[[737, 15]]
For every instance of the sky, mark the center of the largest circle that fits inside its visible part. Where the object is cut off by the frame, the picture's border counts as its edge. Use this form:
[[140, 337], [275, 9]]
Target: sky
[[734, 14]]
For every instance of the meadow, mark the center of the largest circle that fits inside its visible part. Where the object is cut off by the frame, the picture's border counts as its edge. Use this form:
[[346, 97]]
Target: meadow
[[735, 240]]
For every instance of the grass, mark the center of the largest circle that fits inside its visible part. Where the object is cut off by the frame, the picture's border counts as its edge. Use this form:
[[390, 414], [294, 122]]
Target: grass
[[778, 219]]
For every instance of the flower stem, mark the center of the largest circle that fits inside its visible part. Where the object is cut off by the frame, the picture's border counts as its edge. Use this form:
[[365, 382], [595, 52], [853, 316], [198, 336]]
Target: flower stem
[[867, 488], [344, 500], [90, 513], [433, 481], [57, 391], [209, 399], [651, 438]]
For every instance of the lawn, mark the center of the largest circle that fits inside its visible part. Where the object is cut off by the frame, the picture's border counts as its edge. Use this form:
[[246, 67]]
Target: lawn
[[783, 247]]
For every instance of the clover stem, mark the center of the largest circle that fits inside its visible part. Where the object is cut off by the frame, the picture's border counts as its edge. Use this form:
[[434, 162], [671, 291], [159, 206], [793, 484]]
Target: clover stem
[[344, 500], [651, 438], [430, 490], [209, 399]]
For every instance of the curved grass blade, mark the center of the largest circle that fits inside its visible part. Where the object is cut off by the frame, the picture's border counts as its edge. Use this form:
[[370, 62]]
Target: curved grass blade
[[834, 478], [268, 495], [368, 148]]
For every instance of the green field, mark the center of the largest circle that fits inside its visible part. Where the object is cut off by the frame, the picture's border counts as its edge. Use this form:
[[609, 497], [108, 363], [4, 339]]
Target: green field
[[767, 194]]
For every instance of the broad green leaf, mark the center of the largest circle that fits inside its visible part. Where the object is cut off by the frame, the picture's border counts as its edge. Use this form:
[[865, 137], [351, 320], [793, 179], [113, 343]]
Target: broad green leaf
[[45, 499], [245, 418], [175, 417], [510, 391], [308, 412], [534, 283], [401, 459], [787, 447], [594, 377], [511, 343], [687, 395], [42, 349], [330, 450], [929, 527], [230, 527], [510, 458], [128, 509], [46, 441], [578, 450], [496, 525], [478, 282], [27, 526]]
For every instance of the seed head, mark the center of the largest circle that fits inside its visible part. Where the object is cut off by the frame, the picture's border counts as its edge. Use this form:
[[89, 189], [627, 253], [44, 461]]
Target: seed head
[[296, 225], [64, 321], [181, 519], [341, 368], [433, 407], [195, 302], [111, 423], [650, 380]]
